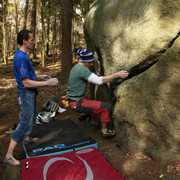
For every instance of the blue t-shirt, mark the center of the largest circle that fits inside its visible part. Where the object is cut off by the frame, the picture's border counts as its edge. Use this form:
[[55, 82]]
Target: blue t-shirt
[[23, 68]]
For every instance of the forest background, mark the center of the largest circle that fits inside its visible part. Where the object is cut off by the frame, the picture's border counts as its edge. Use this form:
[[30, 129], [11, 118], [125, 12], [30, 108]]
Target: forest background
[[57, 27]]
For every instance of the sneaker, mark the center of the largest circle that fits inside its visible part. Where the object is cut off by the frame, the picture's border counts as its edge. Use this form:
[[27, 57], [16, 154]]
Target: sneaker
[[109, 133]]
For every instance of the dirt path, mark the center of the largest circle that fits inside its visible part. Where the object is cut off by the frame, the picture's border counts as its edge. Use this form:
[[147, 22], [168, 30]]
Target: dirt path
[[128, 164]]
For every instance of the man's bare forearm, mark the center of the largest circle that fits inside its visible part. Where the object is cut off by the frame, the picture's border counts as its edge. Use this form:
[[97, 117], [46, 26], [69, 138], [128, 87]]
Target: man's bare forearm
[[121, 74]]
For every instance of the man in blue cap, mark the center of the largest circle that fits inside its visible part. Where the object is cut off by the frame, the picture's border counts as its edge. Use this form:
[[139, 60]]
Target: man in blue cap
[[79, 78]]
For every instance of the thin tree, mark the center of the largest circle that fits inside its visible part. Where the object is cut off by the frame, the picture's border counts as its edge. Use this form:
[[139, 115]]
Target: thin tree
[[43, 44], [54, 36], [33, 24], [4, 29], [48, 28], [16, 22], [66, 25], [26, 14]]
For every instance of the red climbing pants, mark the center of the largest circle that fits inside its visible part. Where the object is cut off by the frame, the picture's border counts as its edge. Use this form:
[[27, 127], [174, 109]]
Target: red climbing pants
[[93, 108]]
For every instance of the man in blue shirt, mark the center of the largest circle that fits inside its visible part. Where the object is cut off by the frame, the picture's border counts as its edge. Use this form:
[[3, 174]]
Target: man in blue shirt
[[27, 84]]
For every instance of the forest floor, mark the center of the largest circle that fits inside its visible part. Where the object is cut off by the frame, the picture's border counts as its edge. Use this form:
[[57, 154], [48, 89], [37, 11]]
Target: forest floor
[[128, 164]]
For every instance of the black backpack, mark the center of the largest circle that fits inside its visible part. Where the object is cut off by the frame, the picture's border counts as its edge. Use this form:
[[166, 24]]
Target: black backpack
[[51, 104]]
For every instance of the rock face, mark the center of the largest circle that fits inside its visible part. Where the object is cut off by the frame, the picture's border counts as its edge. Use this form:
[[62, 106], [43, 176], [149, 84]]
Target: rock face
[[143, 38]]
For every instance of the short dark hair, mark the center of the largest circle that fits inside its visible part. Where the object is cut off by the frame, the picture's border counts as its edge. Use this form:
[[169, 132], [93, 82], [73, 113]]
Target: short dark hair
[[24, 34]]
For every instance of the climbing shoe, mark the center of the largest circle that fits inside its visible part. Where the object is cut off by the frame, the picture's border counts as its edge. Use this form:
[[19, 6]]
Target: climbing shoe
[[109, 133]]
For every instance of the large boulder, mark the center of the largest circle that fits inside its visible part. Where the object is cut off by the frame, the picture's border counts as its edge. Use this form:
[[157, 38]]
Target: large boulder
[[143, 38], [147, 111]]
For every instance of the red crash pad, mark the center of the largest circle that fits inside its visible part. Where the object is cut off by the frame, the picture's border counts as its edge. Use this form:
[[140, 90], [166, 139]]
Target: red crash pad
[[85, 164]]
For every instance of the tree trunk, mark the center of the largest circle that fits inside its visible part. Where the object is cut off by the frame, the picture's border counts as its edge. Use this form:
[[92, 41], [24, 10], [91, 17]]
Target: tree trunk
[[26, 14], [73, 35], [16, 22], [4, 28], [66, 24], [54, 37], [43, 49], [8, 38], [33, 24], [48, 30]]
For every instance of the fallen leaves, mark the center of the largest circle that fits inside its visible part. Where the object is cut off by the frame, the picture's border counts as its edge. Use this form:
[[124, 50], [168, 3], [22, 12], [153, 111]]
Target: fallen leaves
[[135, 155]]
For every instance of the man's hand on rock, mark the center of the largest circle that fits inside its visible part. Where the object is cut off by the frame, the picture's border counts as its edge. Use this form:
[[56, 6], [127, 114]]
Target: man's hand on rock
[[122, 74]]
